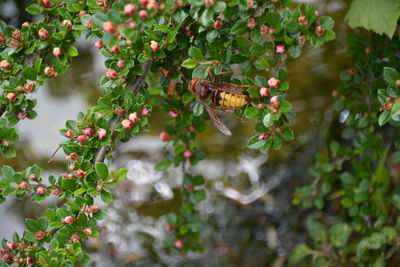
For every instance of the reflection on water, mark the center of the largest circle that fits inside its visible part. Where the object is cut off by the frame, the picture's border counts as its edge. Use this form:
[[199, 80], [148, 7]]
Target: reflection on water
[[248, 219]]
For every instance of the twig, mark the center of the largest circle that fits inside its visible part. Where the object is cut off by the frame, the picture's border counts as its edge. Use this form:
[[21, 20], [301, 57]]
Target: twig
[[100, 156], [52, 156]]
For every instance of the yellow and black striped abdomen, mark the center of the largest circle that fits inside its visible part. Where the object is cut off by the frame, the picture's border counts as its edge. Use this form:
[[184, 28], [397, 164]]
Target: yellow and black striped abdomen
[[228, 100]]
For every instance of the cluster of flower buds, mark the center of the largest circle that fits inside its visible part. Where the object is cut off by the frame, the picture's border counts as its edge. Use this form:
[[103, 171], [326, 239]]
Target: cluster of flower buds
[[134, 118]]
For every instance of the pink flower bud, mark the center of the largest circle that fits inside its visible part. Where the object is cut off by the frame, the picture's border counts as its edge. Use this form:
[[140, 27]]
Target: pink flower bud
[[11, 245], [55, 191], [101, 3], [99, 188], [217, 25], [41, 190], [24, 185], [301, 39], [173, 114], [40, 235], [70, 134], [82, 139], [188, 34], [398, 83], [279, 49], [187, 154], [121, 63], [49, 71], [57, 51], [43, 34], [250, 3], [15, 43], [273, 82], [264, 91], [143, 2], [143, 14], [169, 227], [79, 173], [68, 220], [88, 231], [45, 3], [120, 111], [154, 46], [2, 38], [115, 49], [21, 115], [144, 112], [251, 23], [29, 260], [264, 29], [101, 133], [73, 156], [316, 14], [75, 238], [164, 136], [11, 97], [275, 102], [302, 20], [319, 30], [89, 23], [28, 87], [129, 9], [26, 24], [95, 208], [109, 27], [133, 117], [127, 124], [112, 74], [67, 23], [178, 244], [98, 44], [88, 131], [4, 64]]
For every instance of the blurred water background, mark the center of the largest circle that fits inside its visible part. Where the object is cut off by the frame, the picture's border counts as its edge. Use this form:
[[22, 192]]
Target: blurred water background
[[248, 217]]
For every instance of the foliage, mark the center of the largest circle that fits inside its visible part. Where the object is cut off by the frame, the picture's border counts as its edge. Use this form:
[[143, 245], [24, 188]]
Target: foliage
[[356, 187], [151, 48], [378, 16]]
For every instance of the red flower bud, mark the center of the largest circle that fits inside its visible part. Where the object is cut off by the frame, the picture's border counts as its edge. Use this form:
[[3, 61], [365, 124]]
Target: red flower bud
[[4, 64], [133, 117], [144, 112], [154, 46], [68, 220], [129, 9], [273, 82], [88, 131], [302, 20], [11, 245], [264, 29], [164, 136], [79, 173], [217, 25], [188, 34], [170, 227], [109, 27], [11, 97], [67, 23], [2, 38], [49, 71], [69, 134], [187, 154], [73, 156], [43, 34], [301, 39], [88, 231], [101, 3], [26, 24], [55, 191], [98, 44], [16, 34], [173, 114], [115, 49], [21, 115], [120, 111], [112, 74], [45, 3], [95, 208], [29, 260], [57, 51], [89, 23], [143, 14], [121, 63], [15, 43], [178, 244], [101, 133], [264, 91], [41, 190], [316, 14], [127, 124], [279, 49], [24, 185], [319, 30], [275, 102], [40, 235], [251, 23], [28, 87], [75, 237], [82, 139], [143, 2]]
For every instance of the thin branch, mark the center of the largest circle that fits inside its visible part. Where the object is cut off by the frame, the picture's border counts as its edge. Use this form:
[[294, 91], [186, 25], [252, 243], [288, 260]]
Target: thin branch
[[100, 156]]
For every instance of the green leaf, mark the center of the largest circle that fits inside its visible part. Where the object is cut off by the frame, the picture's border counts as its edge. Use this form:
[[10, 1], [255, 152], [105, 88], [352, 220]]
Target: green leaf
[[200, 72], [298, 253], [390, 75], [268, 120], [339, 234], [255, 143], [101, 170], [251, 112], [273, 18], [8, 173], [384, 117], [287, 134], [239, 27], [198, 109], [258, 50], [207, 16], [189, 63], [326, 22], [162, 165], [72, 51], [33, 9], [395, 113], [316, 230], [378, 16], [106, 196], [195, 53]]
